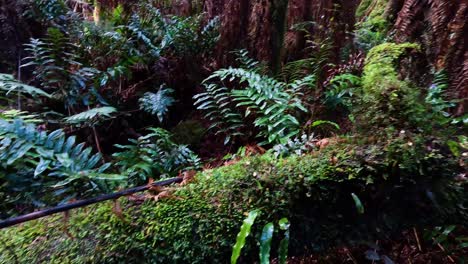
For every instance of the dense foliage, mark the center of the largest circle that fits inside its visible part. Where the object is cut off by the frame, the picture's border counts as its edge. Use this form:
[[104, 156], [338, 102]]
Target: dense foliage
[[343, 142]]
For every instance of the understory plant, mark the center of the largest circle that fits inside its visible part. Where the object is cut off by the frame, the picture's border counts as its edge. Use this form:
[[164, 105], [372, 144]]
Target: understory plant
[[41, 168], [265, 240], [273, 105], [154, 156]]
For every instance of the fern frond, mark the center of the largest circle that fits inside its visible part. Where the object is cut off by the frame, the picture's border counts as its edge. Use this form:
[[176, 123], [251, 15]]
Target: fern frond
[[56, 66], [157, 103], [296, 146], [435, 96], [36, 161], [154, 155], [273, 103], [218, 105], [246, 62], [12, 114], [297, 69], [9, 84], [91, 115], [405, 24]]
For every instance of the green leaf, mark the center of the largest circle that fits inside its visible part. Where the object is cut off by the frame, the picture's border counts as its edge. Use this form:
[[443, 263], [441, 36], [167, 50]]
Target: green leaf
[[284, 244], [41, 167], [158, 103], [242, 235], [324, 122], [358, 203], [265, 243], [64, 159], [454, 147], [90, 115]]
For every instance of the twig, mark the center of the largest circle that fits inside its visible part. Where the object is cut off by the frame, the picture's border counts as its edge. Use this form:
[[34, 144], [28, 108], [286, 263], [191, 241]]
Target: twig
[[443, 249], [417, 238], [96, 139], [19, 78], [351, 256]]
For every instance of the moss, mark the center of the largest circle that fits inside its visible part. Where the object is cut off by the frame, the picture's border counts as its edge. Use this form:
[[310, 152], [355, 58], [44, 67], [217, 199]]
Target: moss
[[199, 223], [386, 101], [374, 25]]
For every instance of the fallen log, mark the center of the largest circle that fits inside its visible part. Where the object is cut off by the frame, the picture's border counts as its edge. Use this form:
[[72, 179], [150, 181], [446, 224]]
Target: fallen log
[[82, 203]]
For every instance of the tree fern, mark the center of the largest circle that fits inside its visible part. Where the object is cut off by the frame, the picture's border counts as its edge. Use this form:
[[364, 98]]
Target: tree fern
[[157, 103]]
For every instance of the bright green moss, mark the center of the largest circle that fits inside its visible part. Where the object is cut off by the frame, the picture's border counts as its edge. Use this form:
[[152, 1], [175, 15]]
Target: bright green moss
[[373, 26], [199, 223], [388, 103]]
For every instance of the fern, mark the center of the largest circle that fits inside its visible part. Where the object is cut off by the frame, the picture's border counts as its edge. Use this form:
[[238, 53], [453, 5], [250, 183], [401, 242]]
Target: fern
[[341, 89], [272, 102], [220, 110], [297, 146], [12, 114], [10, 85], [440, 106], [242, 235], [246, 62], [183, 35], [157, 103], [139, 33], [153, 156], [56, 64], [91, 116], [47, 168]]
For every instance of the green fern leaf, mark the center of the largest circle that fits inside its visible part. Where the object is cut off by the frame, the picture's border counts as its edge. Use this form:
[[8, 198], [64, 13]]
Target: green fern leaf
[[157, 103]]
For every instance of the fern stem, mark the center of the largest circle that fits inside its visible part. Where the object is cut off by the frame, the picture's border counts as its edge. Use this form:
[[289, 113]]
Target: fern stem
[[96, 139], [19, 78]]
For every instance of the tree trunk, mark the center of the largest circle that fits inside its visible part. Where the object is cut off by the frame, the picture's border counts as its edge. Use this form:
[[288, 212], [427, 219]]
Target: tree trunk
[[264, 27]]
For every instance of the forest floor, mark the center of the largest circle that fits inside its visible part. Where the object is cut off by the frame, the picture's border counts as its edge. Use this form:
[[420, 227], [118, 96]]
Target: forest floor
[[408, 249]]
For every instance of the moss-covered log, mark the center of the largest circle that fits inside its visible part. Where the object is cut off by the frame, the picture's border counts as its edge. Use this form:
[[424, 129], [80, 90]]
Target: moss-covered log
[[400, 185]]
